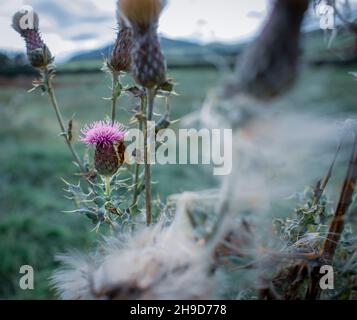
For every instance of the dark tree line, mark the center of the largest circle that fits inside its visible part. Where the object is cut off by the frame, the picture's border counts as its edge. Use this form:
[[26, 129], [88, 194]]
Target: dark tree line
[[12, 65]]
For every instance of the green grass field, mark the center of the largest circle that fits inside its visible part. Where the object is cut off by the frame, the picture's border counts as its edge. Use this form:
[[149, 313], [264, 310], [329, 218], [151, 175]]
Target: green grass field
[[33, 158]]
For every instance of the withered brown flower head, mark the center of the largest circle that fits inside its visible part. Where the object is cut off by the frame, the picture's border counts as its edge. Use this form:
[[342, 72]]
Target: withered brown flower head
[[120, 58]]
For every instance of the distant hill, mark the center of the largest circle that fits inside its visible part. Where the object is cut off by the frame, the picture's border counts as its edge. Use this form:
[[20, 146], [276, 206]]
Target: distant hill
[[188, 54], [178, 53], [181, 53], [167, 44]]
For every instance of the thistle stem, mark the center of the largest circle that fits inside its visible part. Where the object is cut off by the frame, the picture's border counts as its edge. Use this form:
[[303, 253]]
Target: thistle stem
[[137, 165], [107, 185], [150, 107], [136, 182], [51, 93], [151, 93], [147, 177], [115, 83]]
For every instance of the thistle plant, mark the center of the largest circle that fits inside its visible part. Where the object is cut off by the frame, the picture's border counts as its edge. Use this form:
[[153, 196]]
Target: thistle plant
[[120, 58], [148, 65], [37, 52], [113, 192], [40, 57], [109, 148], [119, 61], [306, 234]]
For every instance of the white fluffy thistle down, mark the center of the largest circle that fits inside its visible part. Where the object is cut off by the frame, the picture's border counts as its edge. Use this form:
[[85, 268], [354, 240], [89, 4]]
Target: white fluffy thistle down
[[159, 262], [277, 152]]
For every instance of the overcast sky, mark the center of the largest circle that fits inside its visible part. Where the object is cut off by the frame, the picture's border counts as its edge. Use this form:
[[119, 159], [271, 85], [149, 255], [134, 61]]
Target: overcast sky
[[73, 25]]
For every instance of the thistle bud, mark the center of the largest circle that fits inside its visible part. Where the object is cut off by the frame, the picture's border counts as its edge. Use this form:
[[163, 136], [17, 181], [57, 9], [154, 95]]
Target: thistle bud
[[120, 59], [148, 62], [106, 161], [110, 149], [26, 23]]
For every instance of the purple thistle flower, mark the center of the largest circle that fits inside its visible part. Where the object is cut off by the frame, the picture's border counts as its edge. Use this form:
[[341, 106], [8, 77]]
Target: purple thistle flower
[[110, 149], [103, 132]]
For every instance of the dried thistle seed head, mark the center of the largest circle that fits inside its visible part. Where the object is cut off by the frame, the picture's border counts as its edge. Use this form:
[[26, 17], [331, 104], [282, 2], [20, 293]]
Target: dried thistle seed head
[[141, 13], [26, 23], [120, 59], [148, 62], [158, 262], [110, 149]]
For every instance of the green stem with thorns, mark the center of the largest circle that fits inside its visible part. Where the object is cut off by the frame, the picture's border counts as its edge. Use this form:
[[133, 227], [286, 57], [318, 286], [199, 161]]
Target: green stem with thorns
[[137, 165], [50, 90], [150, 107], [107, 185], [115, 94]]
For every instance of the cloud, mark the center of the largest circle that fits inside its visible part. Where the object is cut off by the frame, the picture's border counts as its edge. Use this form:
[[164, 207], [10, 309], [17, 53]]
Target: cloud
[[67, 26], [83, 36], [72, 13], [70, 26]]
